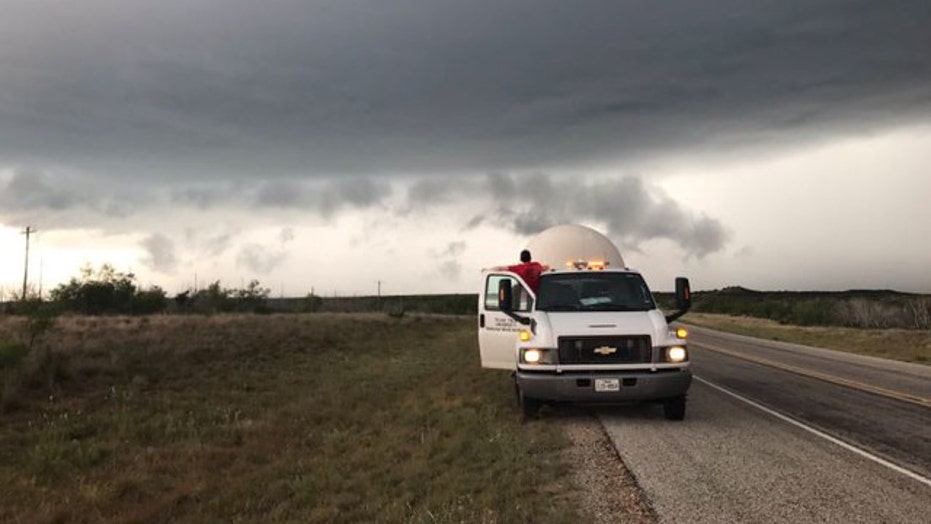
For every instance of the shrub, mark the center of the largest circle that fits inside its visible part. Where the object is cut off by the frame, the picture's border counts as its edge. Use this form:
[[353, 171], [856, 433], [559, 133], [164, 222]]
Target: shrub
[[148, 301], [216, 299], [20, 366], [311, 303], [106, 292], [252, 298]]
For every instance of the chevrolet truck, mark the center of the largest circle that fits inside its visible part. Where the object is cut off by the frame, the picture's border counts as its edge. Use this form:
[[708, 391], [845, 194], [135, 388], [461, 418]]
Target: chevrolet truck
[[591, 331]]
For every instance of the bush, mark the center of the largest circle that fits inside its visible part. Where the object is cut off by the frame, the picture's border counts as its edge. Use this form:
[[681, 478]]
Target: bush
[[106, 292], [20, 366], [311, 304], [253, 298], [148, 301], [216, 299]]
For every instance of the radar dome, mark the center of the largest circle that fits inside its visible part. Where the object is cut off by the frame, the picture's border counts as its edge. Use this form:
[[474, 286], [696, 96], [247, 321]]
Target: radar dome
[[562, 246]]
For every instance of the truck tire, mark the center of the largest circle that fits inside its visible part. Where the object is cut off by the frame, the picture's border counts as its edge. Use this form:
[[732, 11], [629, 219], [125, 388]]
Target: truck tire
[[529, 407], [674, 408]]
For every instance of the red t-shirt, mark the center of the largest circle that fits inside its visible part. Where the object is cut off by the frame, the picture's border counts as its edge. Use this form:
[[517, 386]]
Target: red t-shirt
[[530, 272]]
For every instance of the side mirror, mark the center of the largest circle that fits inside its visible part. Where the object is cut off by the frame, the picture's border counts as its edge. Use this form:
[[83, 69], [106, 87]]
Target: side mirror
[[683, 293], [505, 297], [683, 298]]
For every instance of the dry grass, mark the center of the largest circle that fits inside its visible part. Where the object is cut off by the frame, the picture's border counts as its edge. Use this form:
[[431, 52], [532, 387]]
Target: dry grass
[[898, 344], [298, 418]]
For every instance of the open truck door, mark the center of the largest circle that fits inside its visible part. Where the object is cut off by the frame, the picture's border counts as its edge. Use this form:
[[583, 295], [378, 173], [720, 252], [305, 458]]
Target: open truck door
[[505, 296]]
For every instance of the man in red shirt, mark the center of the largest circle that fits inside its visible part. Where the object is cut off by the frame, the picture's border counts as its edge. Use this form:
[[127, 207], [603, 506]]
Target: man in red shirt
[[527, 270]]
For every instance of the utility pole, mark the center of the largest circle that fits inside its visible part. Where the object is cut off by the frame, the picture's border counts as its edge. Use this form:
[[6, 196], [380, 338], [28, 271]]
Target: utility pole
[[379, 295], [28, 231]]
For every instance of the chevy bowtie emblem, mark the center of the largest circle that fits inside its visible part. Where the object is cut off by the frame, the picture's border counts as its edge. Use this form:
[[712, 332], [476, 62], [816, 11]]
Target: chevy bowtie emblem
[[605, 350]]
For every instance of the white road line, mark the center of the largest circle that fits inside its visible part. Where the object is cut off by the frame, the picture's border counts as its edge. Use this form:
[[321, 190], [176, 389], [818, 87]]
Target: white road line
[[879, 460], [869, 388]]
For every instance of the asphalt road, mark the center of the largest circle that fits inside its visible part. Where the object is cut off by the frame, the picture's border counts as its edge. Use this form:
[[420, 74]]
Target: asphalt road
[[732, 462], [911, 379]]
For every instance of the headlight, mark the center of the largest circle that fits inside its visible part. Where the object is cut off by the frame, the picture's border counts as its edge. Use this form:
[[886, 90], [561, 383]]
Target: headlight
[[537, 356], [682, 333], [676, 354]]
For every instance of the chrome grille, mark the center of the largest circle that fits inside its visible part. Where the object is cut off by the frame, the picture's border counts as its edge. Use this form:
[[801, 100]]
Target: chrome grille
[[605, 350]]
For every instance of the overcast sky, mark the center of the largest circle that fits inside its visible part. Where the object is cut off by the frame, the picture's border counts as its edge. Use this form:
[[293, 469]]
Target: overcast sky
[[328, 145]]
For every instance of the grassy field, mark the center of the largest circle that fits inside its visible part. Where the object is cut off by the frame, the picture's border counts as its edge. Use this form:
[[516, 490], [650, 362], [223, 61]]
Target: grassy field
[[909, 345], [869, 309], [299, 418]]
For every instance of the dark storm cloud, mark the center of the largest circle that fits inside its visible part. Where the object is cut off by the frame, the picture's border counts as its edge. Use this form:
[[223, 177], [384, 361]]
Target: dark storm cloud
[[205, 195], [236, 90], [72, 201], [325, 197], [63, 200], [33, 189], [630, 210]]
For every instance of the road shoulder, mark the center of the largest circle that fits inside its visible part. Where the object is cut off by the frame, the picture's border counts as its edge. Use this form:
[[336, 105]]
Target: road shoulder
[[606, 490], [728, 462]]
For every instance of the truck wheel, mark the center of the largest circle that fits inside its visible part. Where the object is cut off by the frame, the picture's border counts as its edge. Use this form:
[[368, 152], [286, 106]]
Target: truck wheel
[[674, 408], [529, 406]]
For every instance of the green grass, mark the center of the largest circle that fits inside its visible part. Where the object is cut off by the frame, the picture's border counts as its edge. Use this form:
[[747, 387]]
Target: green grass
[[871, 309], [908, 345], [291, 418]]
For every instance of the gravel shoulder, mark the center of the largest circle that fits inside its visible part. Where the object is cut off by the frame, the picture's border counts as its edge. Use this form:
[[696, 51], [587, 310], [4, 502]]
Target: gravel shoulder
[[605, 488]]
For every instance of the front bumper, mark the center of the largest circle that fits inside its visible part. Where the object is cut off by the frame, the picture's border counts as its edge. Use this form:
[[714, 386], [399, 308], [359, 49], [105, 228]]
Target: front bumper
[[580, 386]]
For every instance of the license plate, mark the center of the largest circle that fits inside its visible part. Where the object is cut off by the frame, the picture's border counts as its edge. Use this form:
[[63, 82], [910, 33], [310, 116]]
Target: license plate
[[607, 384]]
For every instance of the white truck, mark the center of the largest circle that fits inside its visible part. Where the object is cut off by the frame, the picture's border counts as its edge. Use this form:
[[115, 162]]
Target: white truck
[[591, 332]]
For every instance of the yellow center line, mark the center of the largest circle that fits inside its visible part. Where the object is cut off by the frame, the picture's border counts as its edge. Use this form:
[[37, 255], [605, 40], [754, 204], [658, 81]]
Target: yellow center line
[[869, 388]]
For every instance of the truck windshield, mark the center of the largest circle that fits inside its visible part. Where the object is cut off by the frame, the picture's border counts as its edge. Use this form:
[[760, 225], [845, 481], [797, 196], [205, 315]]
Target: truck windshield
[[593, 291]]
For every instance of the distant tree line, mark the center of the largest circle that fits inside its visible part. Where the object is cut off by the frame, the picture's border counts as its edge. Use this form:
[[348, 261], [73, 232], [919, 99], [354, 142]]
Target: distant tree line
[[860, 309], [106, 291], [109, 292]]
